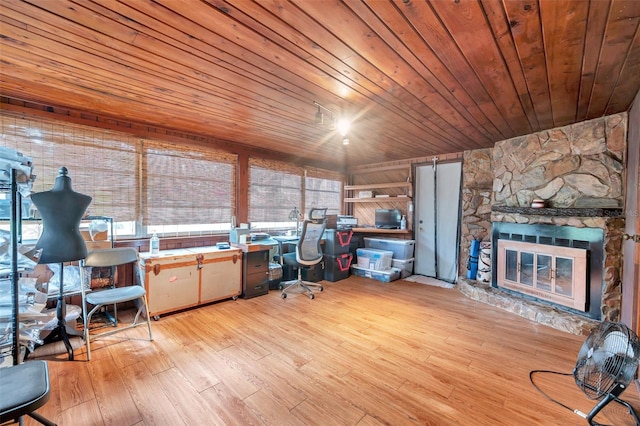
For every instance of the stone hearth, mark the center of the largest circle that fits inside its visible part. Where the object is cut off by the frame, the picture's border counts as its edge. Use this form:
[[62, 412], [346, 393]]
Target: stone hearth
[[535, 311]]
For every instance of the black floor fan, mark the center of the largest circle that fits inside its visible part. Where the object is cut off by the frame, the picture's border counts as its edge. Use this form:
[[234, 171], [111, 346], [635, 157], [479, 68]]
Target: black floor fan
[[607, 363]]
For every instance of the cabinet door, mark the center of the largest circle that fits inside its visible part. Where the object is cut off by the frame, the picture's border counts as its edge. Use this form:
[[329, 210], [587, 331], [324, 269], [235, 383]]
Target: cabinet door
[[221, 279], [172, 288]]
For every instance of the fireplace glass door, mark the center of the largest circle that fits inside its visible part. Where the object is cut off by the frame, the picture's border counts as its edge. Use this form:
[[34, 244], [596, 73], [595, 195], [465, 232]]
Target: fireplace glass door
[[553, 273]]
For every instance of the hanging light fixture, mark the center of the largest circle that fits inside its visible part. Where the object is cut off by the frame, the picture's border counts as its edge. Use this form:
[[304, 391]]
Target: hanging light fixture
[[319, 116], [342, 125]]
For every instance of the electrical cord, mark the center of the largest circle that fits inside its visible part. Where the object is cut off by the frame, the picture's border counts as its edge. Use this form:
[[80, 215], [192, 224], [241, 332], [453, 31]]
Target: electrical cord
[[531, 374], [573, 410]]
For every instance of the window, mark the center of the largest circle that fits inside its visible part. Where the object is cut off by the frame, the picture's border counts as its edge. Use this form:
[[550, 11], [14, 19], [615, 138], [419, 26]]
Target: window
[[276, 189], [100, 163], [323, 189], [187, 190], [193, 188]]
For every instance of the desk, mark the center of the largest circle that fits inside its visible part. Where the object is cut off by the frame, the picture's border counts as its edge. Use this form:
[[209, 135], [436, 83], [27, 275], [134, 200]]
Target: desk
[[285, 242]]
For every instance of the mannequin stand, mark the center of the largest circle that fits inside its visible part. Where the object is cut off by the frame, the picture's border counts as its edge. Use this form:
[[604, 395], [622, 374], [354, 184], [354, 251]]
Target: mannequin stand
[[62, 332]]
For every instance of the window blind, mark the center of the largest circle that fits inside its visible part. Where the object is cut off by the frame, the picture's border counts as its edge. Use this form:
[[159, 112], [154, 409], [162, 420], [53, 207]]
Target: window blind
[[101, 163], [187, 185], [275, 188], [323, 193]]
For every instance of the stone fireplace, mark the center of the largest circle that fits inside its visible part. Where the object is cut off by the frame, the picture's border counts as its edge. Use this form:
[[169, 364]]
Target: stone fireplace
[[533, 259], [578, 171]]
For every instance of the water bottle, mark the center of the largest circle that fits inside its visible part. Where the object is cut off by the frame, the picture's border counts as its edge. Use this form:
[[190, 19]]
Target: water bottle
[[154, 246], [403, 222]]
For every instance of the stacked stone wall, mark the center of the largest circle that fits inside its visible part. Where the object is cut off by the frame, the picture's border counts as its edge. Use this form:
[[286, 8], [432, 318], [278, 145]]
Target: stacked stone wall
[[477, 183], [575, 166]]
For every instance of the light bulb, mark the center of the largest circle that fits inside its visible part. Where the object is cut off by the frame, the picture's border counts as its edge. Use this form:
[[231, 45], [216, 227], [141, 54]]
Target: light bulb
[[343, 126]]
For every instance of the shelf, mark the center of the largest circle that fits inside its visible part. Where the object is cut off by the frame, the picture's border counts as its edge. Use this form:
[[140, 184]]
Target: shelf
[[378, 186], [378, 200]]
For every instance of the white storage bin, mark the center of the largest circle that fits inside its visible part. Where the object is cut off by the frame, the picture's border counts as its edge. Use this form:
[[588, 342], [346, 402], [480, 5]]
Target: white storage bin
[[405, 266], [375, 259], [387, 276], [402, 249]]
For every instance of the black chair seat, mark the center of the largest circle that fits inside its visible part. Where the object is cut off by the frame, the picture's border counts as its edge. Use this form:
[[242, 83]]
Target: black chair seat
[[25, 388]]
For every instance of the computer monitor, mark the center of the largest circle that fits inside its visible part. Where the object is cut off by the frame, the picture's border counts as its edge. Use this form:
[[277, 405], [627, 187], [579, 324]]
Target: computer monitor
[[388, 218]]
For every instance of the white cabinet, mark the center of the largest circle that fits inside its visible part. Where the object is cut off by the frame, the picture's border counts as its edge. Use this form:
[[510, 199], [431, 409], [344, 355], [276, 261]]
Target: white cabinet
[[183, 278]]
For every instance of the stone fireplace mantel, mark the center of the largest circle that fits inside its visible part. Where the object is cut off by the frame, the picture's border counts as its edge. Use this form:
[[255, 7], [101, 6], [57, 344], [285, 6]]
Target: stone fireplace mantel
[[559, 212]]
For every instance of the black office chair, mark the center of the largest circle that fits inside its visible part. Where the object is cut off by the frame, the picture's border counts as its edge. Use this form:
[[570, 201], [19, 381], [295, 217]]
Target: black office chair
[[25, 388], [308, 253]]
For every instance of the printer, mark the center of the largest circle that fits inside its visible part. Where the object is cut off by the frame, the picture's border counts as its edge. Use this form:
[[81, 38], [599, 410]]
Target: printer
[[346, 222], [235, 235]]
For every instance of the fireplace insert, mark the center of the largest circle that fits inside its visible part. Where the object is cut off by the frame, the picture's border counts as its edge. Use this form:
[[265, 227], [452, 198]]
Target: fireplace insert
[[530, 255]]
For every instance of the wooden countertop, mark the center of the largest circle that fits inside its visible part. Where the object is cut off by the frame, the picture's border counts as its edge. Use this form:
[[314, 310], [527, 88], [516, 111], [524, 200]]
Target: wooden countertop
[[251, 247], [382, 231]]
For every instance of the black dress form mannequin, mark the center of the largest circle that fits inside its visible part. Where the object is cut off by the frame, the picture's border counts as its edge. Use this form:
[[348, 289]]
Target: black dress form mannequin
[[61, 210]]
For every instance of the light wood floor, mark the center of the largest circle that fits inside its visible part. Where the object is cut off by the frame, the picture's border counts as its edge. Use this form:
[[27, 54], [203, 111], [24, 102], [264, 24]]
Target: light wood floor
[[361, 353]]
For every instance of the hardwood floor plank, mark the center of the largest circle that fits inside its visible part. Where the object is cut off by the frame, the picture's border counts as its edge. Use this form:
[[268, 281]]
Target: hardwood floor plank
[[191, 362], [115, 402], [88, 413], [191, 406], [155, 407], [231, 409], [229, 371], [269, 411], [76, 382], [276, 378]]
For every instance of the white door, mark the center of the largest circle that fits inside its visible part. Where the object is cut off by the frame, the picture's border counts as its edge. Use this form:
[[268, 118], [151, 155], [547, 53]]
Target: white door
[[437, 220]]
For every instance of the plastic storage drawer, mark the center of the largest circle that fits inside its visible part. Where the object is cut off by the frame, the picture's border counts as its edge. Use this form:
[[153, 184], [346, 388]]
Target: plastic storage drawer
[[405, 266], [383, 276], [370, 258], [336, 267], [337, 241], [402, 249]]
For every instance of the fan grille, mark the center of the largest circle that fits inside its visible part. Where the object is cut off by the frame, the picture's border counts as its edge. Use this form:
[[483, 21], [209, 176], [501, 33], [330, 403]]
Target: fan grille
[[608, 357]]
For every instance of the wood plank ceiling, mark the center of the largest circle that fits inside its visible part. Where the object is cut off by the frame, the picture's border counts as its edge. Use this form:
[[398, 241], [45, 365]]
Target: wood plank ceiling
[[417, 78]]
